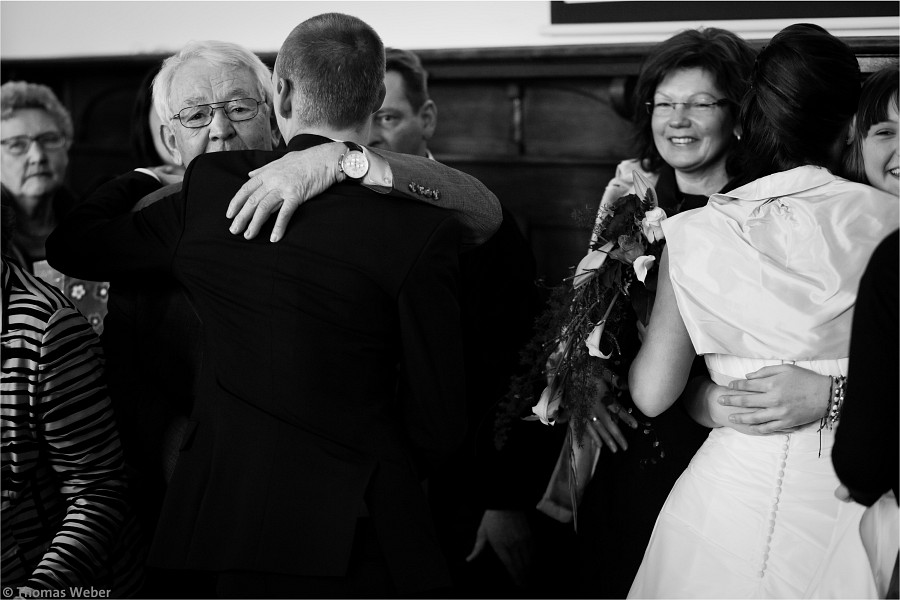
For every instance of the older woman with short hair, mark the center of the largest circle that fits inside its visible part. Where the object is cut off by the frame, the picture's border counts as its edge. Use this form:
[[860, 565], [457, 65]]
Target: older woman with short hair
[[37, 135]]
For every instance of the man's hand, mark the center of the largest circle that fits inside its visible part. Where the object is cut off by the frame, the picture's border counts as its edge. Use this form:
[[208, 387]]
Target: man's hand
[[604, 423], [283, 185], [783, 397], [509, 534]]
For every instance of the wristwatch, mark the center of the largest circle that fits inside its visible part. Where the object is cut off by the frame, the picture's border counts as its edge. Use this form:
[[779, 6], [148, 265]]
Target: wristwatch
[[354, 163]]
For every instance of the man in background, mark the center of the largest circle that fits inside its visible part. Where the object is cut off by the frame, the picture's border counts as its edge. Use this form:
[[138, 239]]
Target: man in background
[[408, 116]]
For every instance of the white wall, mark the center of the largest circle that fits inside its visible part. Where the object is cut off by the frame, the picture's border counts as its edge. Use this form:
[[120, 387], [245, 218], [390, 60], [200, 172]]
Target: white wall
[[49, 29]]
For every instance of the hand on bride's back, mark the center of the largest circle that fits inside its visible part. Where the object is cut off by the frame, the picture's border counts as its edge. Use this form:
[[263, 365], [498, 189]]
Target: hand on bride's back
[[781, 398]]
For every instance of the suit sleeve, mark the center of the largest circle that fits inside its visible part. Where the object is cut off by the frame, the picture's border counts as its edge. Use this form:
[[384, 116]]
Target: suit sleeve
[[101, 239], [432, 379], [476, 208]]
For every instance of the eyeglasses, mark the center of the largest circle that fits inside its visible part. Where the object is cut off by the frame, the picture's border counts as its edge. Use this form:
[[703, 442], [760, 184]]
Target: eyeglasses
[[19, 144], [664, 109], [201, 115]]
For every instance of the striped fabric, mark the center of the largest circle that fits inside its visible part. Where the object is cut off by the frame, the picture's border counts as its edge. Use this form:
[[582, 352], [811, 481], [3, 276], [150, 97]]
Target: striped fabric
[[64, 509]]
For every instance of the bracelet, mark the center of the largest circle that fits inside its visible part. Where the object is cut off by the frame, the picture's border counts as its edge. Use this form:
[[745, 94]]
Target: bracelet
[[835, 403]]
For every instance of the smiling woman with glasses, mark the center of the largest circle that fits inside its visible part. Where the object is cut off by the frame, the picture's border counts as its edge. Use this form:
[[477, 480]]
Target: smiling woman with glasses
[[36, 136], [684, 130]]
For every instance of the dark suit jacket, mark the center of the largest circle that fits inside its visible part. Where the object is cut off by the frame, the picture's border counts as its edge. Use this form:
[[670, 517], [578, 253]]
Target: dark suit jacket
[[332, 370], [498, 304], [152, 342]]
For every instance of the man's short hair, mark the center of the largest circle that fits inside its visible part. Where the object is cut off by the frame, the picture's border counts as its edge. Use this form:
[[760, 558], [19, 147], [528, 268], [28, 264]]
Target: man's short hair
[[19, 95], [415, 77], [214, 53], [335, 64]]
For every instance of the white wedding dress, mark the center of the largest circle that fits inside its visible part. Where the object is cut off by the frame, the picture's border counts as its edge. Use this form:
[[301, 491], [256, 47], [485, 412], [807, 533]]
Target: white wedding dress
[[767, 275], [754, 516]]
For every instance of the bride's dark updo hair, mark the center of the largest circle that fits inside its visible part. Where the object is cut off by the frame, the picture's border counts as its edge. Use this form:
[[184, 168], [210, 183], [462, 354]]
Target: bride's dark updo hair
[[804, 90]]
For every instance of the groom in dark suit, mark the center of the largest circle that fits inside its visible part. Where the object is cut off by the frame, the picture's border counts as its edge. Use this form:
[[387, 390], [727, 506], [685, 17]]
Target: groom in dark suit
[[334, 373]]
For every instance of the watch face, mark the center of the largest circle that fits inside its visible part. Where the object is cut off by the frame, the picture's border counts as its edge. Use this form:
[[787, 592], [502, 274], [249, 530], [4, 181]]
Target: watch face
[[355, 164]]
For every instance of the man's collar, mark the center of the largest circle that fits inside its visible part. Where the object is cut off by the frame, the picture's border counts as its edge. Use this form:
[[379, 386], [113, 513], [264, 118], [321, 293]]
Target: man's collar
[[302, 141]]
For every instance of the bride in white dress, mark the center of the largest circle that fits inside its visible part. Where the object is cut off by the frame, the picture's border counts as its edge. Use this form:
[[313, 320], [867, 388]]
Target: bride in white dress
[[765, 274]]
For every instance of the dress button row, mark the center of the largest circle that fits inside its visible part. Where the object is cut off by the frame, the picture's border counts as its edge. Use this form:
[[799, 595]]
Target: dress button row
[[778, 483]]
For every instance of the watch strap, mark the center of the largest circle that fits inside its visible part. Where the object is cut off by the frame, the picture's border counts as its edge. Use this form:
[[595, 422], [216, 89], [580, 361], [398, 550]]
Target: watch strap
[[353, 146]]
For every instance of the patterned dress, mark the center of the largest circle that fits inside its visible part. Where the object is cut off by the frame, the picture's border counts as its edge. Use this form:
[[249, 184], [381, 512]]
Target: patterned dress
[[65, 515]]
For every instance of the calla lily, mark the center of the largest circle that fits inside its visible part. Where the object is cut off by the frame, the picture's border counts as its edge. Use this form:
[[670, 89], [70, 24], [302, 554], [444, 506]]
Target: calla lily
[[642, 265], [593, 341], [644, 190], [590, 264], [547, 407]]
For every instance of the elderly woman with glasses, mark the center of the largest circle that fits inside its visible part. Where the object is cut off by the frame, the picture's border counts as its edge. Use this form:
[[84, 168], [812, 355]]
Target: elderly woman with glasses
[[37, 134]]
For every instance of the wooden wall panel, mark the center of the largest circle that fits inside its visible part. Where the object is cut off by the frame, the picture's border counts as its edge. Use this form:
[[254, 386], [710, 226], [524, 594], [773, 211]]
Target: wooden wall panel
[[473, 119], [103, 135], [574, 119], [554, 205]]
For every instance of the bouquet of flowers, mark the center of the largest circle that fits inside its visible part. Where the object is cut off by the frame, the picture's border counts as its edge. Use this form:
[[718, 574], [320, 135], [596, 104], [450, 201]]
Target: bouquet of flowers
[[587, 338], [577, 352]]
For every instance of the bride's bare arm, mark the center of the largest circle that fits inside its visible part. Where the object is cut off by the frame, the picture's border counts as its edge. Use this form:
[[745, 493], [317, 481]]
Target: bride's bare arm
[[660, 371], [701, 400]]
